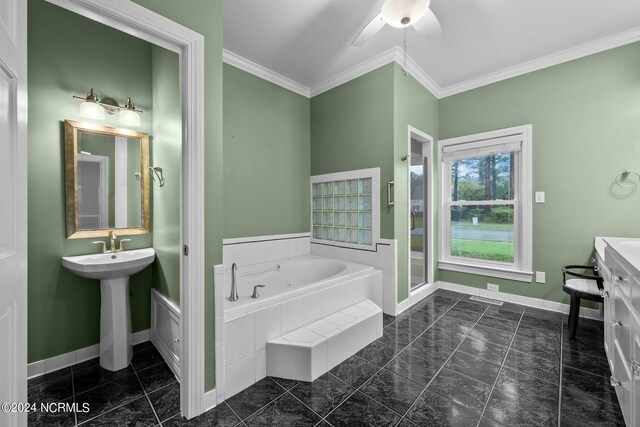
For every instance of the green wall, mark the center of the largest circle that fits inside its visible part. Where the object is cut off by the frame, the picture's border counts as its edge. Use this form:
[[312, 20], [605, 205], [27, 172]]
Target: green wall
[[67, 55], [352, 128], [266, 136], [205, 17], [167, 153], [586, 129], [413, 106]]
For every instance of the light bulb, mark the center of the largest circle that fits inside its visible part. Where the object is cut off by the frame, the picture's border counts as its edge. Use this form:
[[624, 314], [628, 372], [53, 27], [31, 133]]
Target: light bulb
[[92, 110], [129, 117], [402, 13]]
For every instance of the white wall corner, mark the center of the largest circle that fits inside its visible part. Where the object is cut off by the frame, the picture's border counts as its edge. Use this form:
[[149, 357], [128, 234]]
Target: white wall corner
[[210, 399]]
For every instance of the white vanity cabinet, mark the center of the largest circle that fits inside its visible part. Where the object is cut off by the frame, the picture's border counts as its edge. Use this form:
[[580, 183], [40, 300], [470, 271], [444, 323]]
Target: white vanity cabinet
[[620, 269]]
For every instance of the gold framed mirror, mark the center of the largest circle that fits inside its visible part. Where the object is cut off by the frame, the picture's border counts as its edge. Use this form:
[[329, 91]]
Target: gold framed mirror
[[106, 180]]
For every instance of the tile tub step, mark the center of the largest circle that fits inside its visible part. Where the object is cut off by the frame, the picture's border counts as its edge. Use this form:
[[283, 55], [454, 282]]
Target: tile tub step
[[308, 352]]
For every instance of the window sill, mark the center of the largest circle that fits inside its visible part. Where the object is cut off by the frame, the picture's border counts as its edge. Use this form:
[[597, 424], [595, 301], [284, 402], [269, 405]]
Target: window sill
[[502, 273]]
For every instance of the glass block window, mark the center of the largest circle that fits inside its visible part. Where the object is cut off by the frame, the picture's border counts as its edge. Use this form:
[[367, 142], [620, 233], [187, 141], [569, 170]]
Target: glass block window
[[342, 210]]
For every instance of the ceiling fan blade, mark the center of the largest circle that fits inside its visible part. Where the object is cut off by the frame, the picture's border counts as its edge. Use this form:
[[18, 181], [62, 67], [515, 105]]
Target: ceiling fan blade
[[428, 26], [369, 31]]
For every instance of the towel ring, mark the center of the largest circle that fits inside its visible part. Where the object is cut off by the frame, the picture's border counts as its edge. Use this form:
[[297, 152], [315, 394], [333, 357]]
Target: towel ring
[[624, 175]]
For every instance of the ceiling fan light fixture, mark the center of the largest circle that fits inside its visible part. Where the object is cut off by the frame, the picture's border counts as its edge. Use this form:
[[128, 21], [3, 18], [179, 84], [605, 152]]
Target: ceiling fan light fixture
[[402, 13]]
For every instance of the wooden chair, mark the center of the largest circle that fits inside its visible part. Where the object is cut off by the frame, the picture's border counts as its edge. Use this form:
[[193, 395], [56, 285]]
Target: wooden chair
[[580, 286]]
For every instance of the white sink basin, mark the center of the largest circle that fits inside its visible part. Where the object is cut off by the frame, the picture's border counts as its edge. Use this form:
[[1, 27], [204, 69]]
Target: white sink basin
[[110, 265], [113, 271]]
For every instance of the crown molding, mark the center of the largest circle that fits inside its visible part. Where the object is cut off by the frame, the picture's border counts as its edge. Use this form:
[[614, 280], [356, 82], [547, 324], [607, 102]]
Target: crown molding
[[264, 73], [395, 54], [557, 58]]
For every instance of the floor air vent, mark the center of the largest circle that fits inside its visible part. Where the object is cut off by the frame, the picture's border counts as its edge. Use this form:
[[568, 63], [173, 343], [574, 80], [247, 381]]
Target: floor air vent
[[487, 300]]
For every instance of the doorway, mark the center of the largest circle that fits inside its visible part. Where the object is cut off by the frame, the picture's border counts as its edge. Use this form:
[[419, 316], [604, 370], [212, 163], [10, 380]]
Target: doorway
[[420, 210]]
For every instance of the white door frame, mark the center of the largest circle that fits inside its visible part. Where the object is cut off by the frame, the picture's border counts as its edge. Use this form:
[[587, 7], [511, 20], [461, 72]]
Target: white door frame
[[427, 152], [131, 18], [13, 209]]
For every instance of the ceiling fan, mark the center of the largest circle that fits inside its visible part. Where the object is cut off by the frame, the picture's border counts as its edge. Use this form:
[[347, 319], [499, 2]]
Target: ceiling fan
[[401, 14]]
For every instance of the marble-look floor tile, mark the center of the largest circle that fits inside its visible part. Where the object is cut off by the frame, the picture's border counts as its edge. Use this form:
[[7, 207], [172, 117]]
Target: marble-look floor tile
[[359, 410], [512, 411], [570, 422], [431, 409], [417, 369], [387, 319], [379, 353], [355, 371], [539, 347], [426, 315], [323, 394], [484, 349], [506, 307], [552, 317], [146, 358], [535, 366], [468, 305], [52, 419], [474, 367], [491, 335], [91, 376], [585, 343], [465, 391], [395, 337], [156, 377], [496, 323], [393, 391], [447, 294], [592, 385], [442, 336], [589, 410], [255, 397], [56, 389], [412, 326], [586, 362], [454, 325], [55, 375], [220, 416], [105, 398], [284, 411], [487, 422], [426, 349], [460, 314], [525, 386], [137, 413], [285, 383], [166, 401]]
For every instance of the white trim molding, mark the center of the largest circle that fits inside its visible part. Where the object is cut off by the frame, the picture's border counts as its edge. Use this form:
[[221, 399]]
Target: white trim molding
[[463, 147], [559, 307], [258, 70], [133, 19]]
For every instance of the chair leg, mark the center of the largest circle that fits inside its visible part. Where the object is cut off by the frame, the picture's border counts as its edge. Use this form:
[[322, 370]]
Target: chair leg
[[574, 313]]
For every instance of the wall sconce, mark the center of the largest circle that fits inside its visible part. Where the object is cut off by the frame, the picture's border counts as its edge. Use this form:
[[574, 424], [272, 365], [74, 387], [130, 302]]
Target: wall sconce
[[95, 109]]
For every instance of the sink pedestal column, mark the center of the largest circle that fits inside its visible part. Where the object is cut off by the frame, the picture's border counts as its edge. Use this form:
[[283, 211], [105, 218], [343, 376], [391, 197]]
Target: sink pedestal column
[[116, 349]]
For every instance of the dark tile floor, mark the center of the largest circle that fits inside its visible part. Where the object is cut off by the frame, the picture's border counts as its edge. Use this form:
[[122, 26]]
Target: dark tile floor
[[448, 361], [144, 394]]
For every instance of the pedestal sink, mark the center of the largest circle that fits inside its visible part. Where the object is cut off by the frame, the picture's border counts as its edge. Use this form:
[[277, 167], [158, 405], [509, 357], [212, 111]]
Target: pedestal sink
[[113, 270]]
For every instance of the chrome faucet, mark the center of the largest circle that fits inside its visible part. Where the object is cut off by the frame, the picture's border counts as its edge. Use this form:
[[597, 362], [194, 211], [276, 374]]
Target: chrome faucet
[[234, 288], [255, 291]]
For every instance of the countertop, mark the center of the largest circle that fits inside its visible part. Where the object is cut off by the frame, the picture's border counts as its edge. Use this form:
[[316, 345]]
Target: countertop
[[628, 248]]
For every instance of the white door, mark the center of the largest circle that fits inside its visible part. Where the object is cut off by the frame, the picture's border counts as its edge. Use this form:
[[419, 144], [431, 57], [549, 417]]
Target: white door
[[13, 208]]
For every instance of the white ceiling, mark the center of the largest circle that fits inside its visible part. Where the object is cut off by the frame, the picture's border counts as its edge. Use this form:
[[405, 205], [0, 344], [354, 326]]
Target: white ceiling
[[309, 41]]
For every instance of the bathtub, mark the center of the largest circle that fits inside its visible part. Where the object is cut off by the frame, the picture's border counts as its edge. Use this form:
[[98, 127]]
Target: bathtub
[[297, 292]]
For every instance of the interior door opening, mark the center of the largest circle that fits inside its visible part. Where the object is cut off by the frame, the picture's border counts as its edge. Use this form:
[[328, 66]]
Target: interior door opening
[[419, 210]]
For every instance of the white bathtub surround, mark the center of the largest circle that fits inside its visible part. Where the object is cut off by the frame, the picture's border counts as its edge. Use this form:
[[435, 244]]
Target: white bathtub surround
[[52, 364], [310, 351], [165, 330], [383, 256], [318, 288], [517, 299], [261, 249]]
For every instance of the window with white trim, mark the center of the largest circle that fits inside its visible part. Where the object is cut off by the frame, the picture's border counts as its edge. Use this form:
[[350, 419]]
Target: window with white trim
[[485, 219]]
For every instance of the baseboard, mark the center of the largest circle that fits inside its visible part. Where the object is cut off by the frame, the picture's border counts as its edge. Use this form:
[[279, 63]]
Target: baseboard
[[559, 307], [165, 330], [415, 297], [55, 363], [210, 400]]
